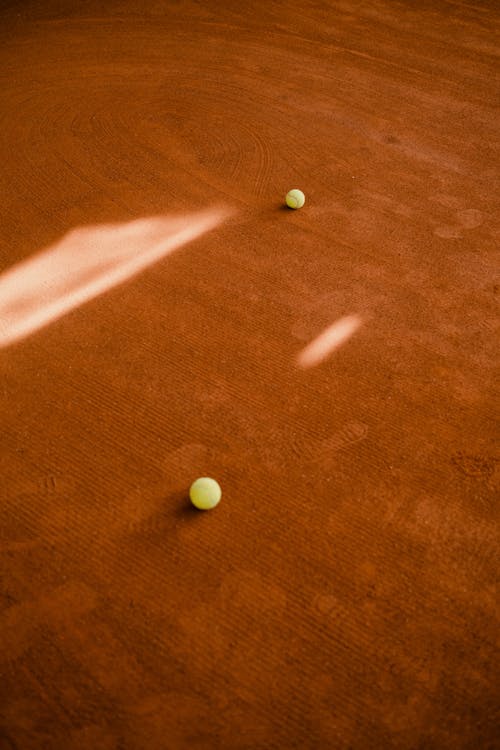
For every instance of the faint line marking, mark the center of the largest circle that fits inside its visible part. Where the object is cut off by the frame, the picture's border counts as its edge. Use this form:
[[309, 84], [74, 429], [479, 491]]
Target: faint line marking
[[350, 434]]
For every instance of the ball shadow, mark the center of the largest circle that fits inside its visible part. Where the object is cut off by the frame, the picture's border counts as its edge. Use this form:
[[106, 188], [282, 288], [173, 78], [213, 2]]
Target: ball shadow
[[182, 505]]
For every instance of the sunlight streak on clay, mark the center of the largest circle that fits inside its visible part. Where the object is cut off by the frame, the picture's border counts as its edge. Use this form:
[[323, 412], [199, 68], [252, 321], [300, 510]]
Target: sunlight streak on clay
[[331, 338], [87, 262]]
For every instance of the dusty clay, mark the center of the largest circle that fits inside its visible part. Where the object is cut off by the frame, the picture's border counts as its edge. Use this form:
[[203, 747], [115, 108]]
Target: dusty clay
[[342, 595]]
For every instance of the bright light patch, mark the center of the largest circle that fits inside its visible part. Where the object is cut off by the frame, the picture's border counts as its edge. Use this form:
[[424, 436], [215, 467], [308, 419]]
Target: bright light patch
[[333, 337], [86, 263]]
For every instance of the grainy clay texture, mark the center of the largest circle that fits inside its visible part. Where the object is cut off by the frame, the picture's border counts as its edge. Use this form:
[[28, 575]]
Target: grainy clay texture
[[163, 316]]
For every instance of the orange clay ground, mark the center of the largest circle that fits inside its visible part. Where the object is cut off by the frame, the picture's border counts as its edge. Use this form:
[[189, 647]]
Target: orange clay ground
[[164, 317]]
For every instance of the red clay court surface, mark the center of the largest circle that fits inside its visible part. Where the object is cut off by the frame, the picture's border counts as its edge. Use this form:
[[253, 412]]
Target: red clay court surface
[[163, 316]]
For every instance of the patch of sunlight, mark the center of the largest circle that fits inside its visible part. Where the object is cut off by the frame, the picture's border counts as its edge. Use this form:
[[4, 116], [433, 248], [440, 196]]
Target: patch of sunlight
[[87, 262], [329, 340]]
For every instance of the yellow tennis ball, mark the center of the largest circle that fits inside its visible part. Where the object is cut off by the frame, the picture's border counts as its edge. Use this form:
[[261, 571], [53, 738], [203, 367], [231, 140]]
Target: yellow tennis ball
[[205, 493], [295, 199]]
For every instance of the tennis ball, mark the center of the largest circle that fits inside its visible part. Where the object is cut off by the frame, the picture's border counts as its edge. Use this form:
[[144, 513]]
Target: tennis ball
[[205, 493], [295, 199]]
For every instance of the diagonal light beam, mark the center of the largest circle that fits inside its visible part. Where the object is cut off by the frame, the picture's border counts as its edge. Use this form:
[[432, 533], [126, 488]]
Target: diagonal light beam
[[331, 338], [87, 262]]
